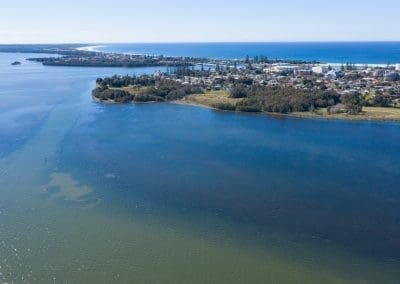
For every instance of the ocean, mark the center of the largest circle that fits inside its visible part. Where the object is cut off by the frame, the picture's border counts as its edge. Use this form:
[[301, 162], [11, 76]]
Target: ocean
[[165, 193], [326, 52]]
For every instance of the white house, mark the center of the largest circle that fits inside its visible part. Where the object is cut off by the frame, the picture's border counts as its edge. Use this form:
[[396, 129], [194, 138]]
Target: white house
[[284, 68], [398, 67], [331, 75], [320, 69]]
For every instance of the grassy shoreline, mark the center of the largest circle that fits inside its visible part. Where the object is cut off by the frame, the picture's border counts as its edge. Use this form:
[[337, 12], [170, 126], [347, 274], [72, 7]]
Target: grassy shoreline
[[210, 99]]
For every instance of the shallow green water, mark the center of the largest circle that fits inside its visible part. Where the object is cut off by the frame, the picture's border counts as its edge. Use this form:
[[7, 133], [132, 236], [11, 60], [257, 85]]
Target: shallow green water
[[171, 194]]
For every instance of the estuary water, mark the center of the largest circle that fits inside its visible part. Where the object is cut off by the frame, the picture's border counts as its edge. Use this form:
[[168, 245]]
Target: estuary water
[[163, 193]]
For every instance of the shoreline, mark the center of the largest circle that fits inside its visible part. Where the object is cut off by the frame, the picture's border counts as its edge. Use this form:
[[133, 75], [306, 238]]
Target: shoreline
[[93, 48], [305, 115], [299, 115], [90, 48]]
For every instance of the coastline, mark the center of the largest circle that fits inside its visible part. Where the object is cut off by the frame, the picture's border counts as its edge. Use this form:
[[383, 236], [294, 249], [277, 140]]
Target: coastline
[[29, 48], [90, 48], [94, 48], [302, 115], [221, 100], [305, 115], [346, 51]]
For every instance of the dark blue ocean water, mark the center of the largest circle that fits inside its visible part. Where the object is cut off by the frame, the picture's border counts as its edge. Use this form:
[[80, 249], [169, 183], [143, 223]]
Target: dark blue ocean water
[[329, 52]]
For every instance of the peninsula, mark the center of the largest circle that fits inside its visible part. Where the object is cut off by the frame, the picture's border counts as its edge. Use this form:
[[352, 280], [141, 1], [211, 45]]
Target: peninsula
[[259, 84], [306, 90], [79, 56]]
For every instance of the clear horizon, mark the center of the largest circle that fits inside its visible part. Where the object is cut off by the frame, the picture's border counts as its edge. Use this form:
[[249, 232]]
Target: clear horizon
[[198, 42], [123, 21]]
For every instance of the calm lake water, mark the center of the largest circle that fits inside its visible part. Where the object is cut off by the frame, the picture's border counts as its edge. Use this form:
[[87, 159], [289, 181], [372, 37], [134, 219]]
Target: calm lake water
[[163, 193], [329, 52]]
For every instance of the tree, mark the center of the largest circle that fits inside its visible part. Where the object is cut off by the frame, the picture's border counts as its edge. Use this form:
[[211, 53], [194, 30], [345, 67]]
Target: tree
[[382, 100], [352, 102], [238, 91]]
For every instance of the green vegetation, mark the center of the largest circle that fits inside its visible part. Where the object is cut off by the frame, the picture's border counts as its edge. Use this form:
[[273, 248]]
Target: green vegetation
[[221, 100], [62, 49], [213, 99], [382, 100], [118, 96], [72, 56], [282, 100], [257, 98], [368, 113], [142, 89], [97, 59], [264, 59], [353, 103], [244, 95]]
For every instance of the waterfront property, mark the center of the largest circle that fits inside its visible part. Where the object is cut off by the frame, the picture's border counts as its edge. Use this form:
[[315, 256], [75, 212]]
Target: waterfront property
[[321, 90]]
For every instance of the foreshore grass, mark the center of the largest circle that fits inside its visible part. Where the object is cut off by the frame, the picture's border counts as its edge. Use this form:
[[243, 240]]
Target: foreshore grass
[[368, 113], [213, 98], [131, 89]]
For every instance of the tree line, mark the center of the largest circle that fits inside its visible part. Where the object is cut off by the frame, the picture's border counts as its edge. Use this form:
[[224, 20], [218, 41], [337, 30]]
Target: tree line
[[142, 89], [278, 99]]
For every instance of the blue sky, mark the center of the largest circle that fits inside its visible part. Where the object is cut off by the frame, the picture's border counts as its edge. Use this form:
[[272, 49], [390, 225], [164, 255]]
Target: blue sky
[[54, 21]]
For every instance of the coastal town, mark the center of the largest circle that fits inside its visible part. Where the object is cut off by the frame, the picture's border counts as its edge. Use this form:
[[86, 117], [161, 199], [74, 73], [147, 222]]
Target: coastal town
[[370, 82], [366, 81], [252, 85]]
